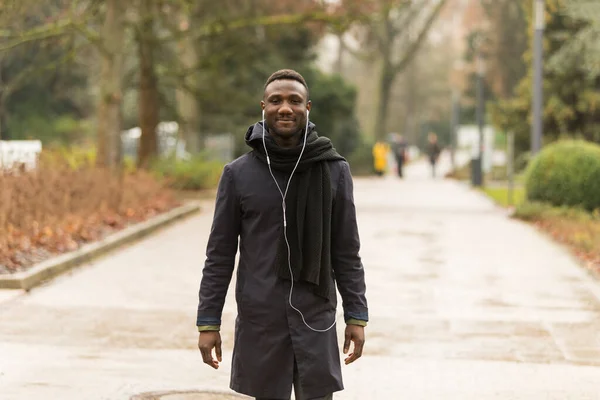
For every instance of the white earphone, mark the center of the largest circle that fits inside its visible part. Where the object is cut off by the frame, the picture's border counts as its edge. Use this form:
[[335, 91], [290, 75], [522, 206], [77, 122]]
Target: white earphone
[[283, 206]]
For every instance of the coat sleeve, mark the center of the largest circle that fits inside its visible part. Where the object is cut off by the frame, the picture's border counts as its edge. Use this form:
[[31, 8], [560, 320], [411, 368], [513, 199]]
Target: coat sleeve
[[220, 252], [345, 246]]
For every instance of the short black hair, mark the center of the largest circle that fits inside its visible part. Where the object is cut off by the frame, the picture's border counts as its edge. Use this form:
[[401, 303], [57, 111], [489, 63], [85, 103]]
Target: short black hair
[[287, 74]]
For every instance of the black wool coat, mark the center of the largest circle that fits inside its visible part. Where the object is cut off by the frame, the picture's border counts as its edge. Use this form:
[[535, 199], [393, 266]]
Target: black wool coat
[[270, 336]]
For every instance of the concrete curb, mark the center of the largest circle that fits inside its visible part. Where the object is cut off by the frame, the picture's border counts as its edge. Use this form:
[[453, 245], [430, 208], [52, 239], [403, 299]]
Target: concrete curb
[[55, 266]]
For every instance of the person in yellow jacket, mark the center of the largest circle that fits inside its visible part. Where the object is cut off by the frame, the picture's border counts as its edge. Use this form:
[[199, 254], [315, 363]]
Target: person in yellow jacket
[[380, 157]]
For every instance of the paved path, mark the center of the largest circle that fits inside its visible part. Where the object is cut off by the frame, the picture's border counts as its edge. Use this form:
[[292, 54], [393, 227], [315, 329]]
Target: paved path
[[465, 304]]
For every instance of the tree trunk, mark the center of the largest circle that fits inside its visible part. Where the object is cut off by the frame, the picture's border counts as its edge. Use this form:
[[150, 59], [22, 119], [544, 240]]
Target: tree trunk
[[109, 105], [386, 79], [148, 103], [187, 103], [3, 135], [411, 100], [1, 103], [339, 62], [386, 76]]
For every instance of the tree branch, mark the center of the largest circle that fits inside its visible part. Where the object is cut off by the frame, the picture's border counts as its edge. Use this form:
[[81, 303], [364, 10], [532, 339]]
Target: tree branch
[[214, 28], [93, 37], [361, 55], [398, 67], [14, 83], [39, 33], [411, 13], [58, 28]]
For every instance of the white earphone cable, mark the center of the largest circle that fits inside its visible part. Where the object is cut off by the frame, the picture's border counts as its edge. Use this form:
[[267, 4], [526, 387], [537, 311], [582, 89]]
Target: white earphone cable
[[283, 206]]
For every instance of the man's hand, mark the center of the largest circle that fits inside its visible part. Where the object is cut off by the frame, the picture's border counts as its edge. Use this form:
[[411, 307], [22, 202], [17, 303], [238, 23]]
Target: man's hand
[[356, 334], [206, 342]]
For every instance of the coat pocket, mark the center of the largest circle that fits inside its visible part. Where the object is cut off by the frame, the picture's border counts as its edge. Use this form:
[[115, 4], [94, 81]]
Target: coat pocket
[[260, 304]]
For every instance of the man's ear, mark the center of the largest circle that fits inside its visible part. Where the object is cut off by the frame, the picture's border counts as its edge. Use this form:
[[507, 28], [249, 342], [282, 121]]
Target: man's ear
[[262, 105], [309, 105]]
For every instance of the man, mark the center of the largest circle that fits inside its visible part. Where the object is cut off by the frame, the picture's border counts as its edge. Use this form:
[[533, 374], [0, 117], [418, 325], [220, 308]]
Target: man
[[400, 153], [433, 150], [287, 272]]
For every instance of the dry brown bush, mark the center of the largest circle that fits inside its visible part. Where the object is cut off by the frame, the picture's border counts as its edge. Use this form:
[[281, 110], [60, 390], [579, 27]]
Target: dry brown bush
[[56, 208]]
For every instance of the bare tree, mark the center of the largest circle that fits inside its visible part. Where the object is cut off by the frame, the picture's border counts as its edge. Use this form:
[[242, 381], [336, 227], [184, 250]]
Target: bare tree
[[392, 35]]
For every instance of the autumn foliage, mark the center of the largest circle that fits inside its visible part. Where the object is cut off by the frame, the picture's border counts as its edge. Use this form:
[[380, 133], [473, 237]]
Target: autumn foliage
[[58, 207], [583, 238], [576, 228]]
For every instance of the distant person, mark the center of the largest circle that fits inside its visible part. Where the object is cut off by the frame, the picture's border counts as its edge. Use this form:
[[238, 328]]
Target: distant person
[[380, 157], [433, 151], [400, 150], [295, 247]]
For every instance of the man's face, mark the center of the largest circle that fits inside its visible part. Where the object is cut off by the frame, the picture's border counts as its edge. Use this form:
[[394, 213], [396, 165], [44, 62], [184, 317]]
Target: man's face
[[285, 103]]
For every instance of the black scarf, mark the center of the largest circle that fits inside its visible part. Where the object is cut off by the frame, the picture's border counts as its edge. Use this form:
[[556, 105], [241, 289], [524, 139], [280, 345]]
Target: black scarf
[[308, 205]]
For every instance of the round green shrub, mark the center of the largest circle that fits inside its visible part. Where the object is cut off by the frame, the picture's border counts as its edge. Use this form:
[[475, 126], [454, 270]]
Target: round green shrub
[[566, 173], [198, 173]]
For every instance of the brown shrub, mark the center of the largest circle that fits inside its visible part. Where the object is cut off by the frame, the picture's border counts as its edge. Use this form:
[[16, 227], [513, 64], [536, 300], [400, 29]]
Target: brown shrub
[[576, 228], [58, 207]]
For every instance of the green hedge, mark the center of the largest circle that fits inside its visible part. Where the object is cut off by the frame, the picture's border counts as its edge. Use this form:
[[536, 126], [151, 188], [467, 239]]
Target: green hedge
[[195, 174], [361, 160], [566, 173]]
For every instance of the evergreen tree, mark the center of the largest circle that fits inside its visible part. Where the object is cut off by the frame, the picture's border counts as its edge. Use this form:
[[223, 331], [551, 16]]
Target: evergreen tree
[[571, 92]]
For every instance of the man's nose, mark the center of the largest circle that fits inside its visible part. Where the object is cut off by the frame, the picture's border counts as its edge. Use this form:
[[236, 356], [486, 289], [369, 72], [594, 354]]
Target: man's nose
[[285, 108]]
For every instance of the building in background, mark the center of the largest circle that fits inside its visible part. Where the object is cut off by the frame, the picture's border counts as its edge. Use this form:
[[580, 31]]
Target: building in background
[[19, 153]]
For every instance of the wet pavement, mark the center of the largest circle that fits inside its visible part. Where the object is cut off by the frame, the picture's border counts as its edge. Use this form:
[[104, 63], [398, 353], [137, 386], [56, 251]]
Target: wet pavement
[[464, 304]]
